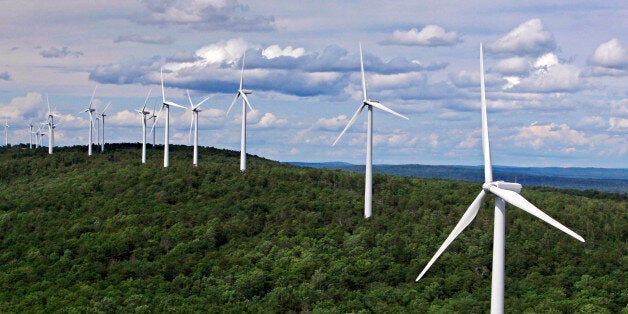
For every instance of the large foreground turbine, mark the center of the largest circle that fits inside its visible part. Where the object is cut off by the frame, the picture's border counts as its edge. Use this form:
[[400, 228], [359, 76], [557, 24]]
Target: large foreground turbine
[[195, 110], [504, 192], [165, 104], [368, 104], [245, 101]]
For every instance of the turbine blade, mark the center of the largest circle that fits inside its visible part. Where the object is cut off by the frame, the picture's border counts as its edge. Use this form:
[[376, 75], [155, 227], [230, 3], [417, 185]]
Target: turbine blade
[[48, 102], [466, 219], [146, 101], [170, 103], [200, 103], [382, 107], [488, 167], [191, 123], [362, 71], [242, 75], [163, 93], [246, 100], [155, 121], [107, 107], [355, 116], [519, 201], [190, 99], [92, 99], [233, 102]]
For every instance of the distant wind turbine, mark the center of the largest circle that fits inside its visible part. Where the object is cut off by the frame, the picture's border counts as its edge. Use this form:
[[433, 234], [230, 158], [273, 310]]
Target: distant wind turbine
[[153, 116], [195, 110], [50, 122], [30, 135], [6, 133], [368, 104], [102, 116], [144, 113], [503, 192], [90, 110], [97, 131], [245, 101], [165, 104]]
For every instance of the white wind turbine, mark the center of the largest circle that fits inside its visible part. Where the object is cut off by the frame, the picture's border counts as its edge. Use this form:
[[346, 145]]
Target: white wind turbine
[[90, 110], [30, 135], [6, 133], [144, 113], [165, 104], [195, 110], [153, 116], [97, 130], [51, 127], [368, 104], [245, 101], [504, 192], [102, 116]]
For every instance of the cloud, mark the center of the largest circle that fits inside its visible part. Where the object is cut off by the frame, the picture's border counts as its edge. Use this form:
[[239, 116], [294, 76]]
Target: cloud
[[331, 124], [269, 120], [206, 15], [548, 135], [275, 51], [549, 76], [609, 59], [529, 38], [144, 39], [5, 76], [618, 124], [30, 107], [430, 35], [513, 66], [54, 52]]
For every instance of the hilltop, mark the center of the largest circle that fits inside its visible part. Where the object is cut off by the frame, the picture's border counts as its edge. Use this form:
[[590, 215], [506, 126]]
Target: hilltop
[[106, 233]]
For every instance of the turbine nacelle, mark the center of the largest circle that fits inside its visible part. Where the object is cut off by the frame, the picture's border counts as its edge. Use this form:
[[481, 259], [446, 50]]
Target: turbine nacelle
[[246, 91], [515, 187]]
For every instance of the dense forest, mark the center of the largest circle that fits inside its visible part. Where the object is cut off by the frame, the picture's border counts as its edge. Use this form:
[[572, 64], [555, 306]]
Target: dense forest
[[108, 234]]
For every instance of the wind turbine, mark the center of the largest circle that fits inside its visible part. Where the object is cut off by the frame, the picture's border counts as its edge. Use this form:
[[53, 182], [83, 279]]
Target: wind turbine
[[51, 127], [97, 131], [30, 135], [90, 111], [143, 112], [6, 133], [245, 101], [165, 104], [195, 110], [102, 116], [504, 192], [368, 104]]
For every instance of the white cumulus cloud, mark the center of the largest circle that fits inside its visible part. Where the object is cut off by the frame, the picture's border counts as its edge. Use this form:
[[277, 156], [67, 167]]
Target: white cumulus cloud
[[275, 51], [430, 35], [611, 55], [529, 38]]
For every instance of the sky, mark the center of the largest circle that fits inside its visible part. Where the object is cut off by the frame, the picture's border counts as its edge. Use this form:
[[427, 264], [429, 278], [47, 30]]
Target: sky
[[556, 76]]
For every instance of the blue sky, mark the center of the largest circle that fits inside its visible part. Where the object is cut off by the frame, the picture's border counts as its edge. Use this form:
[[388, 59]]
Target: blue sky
[[556, 75]]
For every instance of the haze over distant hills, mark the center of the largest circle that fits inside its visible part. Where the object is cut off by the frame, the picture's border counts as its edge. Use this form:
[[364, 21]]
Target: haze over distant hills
[[600, 179]]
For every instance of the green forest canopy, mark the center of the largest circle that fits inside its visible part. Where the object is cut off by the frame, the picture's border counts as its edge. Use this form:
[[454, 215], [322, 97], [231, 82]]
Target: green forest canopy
[[106, 233]]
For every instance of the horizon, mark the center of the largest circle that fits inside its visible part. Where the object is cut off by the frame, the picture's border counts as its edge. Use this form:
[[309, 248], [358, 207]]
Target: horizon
[[555, 76]]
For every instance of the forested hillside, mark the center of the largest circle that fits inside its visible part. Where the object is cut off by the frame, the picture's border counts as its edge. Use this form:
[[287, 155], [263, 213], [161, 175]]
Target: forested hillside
[[108, 234]]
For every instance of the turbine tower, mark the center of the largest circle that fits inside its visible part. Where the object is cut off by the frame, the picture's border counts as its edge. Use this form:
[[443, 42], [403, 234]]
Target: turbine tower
[[368, 104], [143, 112], [245, 101], [102, 118], [97, 130], [90, 111], [153, 117], [165, 104], [504, 192], [195, 110]]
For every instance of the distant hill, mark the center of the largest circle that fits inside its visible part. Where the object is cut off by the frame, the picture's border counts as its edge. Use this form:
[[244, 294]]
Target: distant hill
[[600, 179], [106, 233]]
